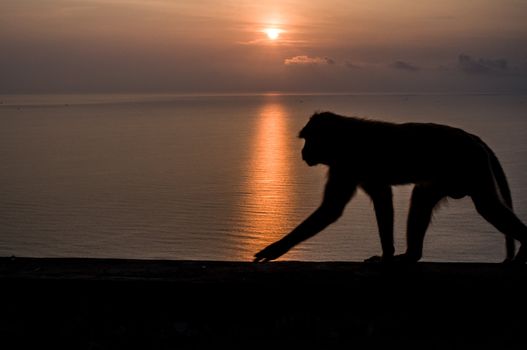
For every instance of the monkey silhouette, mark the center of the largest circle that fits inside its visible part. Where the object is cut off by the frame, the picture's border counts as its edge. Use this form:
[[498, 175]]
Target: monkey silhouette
[[441, 161]]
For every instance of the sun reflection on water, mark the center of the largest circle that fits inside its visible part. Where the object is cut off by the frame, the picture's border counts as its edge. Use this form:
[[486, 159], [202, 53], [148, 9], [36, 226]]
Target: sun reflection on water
[[269, 191]]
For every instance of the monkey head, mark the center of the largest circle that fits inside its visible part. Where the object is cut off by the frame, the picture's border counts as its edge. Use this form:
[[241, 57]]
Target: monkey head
[[319, 136]]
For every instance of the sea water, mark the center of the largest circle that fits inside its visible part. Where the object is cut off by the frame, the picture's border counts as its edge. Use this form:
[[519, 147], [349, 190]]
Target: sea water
[[219, 177]]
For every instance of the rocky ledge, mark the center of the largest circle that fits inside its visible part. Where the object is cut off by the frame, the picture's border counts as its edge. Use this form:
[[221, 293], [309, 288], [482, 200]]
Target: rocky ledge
[[156, 304]]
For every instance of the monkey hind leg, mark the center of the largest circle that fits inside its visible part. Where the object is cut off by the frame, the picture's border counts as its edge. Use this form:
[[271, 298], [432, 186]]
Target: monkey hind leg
[[491, 207], [505, 192], [510, 248]]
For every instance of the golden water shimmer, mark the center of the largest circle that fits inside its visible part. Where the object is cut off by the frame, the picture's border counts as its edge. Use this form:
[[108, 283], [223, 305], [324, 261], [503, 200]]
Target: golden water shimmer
[[269, 187]]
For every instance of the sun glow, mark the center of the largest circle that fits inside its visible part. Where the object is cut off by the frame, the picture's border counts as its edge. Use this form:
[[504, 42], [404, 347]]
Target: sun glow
[[272, 33]]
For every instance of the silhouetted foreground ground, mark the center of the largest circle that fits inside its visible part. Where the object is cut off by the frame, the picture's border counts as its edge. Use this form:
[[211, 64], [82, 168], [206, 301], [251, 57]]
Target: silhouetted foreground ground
[[123, 304]]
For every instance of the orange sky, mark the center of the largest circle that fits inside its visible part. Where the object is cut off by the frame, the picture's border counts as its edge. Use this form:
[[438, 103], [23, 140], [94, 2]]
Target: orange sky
[[204, 46]]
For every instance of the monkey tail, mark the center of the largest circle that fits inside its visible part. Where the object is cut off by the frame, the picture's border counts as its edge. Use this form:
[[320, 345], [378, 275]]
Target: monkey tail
[[501, 179], [505, 191]]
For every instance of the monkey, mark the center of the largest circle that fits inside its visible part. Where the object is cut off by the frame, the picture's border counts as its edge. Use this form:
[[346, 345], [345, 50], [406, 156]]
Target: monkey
[[439, 160]]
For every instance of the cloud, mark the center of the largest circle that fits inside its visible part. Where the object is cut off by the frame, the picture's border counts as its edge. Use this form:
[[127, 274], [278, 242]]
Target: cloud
[[352, 65], [304, 60], [482, 66], [329, 60], [401, 65]]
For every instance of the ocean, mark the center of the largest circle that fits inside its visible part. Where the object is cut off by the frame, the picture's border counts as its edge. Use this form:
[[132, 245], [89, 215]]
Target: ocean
[[218, 177]]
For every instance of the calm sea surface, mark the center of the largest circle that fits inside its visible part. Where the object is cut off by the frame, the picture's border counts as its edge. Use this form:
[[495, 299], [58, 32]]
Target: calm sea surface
[[219, 177]]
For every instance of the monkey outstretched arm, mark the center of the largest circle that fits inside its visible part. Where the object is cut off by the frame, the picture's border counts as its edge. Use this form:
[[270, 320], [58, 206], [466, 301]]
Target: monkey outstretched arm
[[316, 222], [336, 196]]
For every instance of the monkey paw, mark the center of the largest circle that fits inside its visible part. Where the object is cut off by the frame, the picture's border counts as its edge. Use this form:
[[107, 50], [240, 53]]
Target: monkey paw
[[376, 259], [271, 252], [508, 261], [406, 258]]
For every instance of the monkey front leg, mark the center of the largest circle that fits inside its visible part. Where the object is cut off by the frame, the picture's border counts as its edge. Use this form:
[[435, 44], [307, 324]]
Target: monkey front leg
[[316, 222], [382, 198], [339, 190]]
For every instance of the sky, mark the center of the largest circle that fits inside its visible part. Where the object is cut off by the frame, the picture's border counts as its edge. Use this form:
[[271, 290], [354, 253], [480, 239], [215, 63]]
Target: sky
[[202, 46]]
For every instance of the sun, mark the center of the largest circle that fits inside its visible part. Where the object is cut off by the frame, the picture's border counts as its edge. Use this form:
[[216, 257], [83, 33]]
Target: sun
[[272, 33]]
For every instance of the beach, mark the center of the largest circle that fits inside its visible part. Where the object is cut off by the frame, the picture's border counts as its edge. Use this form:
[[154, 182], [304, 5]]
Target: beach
[[158, 304]]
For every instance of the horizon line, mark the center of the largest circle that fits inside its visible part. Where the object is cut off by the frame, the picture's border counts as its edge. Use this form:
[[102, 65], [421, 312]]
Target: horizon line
[[68, 98]]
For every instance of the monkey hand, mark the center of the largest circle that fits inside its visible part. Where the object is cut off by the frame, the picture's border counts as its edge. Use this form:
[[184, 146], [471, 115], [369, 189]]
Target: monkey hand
[[272, 252]]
